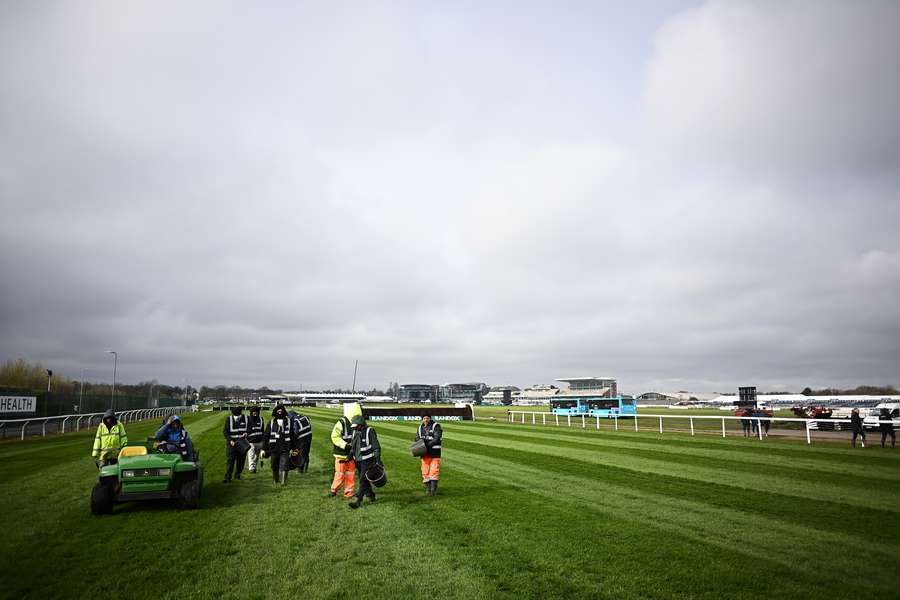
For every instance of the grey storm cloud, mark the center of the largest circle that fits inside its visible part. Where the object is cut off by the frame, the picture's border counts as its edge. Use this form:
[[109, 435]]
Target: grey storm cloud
[[690, 196]]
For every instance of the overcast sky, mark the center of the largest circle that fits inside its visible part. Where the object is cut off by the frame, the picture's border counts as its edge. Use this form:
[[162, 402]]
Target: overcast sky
[[682, 195]]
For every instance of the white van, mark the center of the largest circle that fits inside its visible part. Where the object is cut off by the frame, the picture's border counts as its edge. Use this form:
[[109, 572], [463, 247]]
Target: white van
[[871, 420]]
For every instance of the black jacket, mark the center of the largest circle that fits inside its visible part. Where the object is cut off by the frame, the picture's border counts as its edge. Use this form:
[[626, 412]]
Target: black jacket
[[279, 436], [432, 434]]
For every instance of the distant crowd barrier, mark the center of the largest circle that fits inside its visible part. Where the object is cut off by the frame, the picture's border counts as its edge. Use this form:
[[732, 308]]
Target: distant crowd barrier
[[58, 422], [541, 418]]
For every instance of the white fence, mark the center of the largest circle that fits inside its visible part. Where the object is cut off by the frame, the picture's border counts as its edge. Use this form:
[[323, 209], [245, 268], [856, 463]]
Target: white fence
[[61, 420], [541, 418]]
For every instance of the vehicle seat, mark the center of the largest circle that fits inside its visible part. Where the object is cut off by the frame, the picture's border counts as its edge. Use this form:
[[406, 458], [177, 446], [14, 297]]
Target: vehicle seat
[[132, 451]]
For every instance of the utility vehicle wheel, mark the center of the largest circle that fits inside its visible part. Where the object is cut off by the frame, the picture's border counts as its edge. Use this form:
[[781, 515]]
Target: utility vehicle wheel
[[189, 494], [102, 499]]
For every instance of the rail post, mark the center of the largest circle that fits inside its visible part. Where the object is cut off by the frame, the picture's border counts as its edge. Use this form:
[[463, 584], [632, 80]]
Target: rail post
[[723, 426], [557, 419], [63, 426], [569, 420], [543, 418], [759, 428], [692, 426], [582, 422], [660, 424], [808, 440], [44, 428], [598, 421], [533, 418], [616, 420], [635, 422], [523, 417], [23, 430]]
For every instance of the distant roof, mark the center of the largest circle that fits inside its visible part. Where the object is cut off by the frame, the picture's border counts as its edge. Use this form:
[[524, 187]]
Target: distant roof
[[571, 379]]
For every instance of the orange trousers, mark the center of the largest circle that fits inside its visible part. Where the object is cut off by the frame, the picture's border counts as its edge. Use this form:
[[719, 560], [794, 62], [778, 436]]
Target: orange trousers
[[344, 473], [431, 468]]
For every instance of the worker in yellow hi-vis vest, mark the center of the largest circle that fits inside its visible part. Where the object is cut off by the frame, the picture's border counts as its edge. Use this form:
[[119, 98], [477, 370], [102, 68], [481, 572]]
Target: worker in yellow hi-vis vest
[[344, 465], [110, 438]]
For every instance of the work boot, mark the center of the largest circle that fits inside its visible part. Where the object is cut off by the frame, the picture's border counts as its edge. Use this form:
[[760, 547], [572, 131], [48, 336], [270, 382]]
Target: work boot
[[332, 493], [354, 503], [371, 498]]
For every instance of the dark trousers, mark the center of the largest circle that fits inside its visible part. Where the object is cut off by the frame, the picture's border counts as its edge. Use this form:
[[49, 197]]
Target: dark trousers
[[365, 488], [235, 461], [888, 432], [303, 463], [281, 461], [859, 433]]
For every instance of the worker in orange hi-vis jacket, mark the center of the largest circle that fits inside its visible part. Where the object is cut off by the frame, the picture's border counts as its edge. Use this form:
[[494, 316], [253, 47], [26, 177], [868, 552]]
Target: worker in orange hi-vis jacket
[[431, 433]]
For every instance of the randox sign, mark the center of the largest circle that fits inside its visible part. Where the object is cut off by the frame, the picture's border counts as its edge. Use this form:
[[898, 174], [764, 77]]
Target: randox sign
[[18, 404]]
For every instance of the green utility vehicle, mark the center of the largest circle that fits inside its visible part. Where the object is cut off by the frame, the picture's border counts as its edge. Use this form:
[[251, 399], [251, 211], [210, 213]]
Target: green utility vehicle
[[142, 473]]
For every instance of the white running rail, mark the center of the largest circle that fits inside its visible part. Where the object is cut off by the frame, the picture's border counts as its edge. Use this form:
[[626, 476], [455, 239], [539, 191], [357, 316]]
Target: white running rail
[[125, 416], [541, 418]]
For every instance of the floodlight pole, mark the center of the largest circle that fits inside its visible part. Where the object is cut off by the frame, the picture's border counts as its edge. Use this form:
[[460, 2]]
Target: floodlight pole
[[115, 368], [355, 367]]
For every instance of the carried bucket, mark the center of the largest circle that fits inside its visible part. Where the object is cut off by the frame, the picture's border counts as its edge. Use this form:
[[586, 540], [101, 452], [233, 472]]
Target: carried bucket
[[242, 445], [419, 448], [376, 475]]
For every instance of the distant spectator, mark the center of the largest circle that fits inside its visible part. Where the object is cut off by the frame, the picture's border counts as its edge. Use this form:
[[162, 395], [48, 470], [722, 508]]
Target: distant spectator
[[887, 427], [745, 422], [856, 426]]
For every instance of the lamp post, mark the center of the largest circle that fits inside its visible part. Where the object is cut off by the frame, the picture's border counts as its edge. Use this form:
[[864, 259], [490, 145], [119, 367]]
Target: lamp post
[[115, 368]]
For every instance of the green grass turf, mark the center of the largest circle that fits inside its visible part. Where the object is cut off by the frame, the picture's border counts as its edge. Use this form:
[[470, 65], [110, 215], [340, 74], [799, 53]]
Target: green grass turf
[[522, 512]]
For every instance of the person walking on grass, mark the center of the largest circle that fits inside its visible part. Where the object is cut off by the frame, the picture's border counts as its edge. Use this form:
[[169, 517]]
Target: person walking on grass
[[366, 451], [110, 438], [279, 444], [856, 426], [235, 432], [303, 434], [430, 431], [887, 427], [256, 427], [344, 465]]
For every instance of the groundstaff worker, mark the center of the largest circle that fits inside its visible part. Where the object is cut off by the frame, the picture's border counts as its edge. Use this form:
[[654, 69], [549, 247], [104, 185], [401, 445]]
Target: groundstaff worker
[[303, 434], [279, 444], [344, 465], [431, 432], [109, 440], [256, 426], [172, 438], [366, 451], [236, 441]]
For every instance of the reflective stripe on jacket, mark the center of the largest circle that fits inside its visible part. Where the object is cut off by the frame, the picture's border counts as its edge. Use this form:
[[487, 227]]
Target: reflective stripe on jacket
[[366, 445], [109, 440], [341, 434], [235, 426], [432, 434], [255, 428]]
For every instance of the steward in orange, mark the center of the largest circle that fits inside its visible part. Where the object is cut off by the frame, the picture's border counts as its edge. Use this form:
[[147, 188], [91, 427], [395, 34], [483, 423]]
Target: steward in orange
[[431, 432], [344, 465]]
